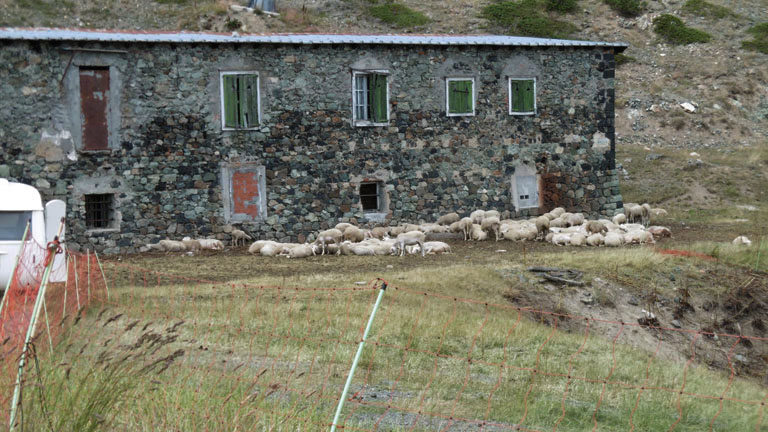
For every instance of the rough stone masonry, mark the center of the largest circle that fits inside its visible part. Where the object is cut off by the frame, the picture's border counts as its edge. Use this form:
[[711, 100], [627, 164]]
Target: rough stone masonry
[[172, 171]]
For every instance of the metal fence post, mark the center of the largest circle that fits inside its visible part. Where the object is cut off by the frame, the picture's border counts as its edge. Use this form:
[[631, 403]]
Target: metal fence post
[[357, 357]]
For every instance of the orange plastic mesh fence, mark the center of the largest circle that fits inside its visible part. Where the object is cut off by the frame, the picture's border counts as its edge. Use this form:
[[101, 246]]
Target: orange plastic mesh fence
[[191, 354], [75, 281]]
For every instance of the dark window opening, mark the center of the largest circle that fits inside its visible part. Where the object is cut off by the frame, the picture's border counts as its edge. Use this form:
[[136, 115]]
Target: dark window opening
[[370, 196], [98, 211]]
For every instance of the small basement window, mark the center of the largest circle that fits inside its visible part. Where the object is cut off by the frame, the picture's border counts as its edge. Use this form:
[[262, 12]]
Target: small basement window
[[522, 96], [370, 99], [370, 196], [99, 211], [239, 100], [460, 96]]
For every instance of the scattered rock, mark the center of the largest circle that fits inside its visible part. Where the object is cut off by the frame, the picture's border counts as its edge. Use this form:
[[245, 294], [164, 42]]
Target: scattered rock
[[740, 358], [633, 301], [653, 156], [676, 324], [694, 163], [688, 107], [587, 299]]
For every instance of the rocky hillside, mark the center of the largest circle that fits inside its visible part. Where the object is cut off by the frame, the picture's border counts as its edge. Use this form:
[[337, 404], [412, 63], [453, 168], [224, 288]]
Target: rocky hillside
[[725, 85]]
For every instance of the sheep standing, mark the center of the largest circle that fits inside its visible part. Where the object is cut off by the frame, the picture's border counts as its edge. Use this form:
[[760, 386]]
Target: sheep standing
[[332, 235], [466, 227], [407, 239], [491, 224], [238, 236], [353, 234], [542, 225], [477, 216]]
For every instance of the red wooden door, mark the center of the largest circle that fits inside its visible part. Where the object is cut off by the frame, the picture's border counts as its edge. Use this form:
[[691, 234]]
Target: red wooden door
[[94, 91]]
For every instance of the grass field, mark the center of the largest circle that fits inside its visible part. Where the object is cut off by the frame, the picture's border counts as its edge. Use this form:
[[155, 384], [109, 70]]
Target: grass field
[[251, 351]]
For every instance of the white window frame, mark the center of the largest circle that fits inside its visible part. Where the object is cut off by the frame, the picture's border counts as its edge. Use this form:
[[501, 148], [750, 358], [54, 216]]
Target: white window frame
[[258, 98], [363, 122], [447, 93], [509, 95]]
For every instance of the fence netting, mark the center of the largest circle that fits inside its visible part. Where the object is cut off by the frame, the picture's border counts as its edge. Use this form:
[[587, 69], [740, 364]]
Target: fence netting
[[167, 352]]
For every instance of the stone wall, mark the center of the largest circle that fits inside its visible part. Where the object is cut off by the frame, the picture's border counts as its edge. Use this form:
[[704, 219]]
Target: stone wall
[[165, 166]]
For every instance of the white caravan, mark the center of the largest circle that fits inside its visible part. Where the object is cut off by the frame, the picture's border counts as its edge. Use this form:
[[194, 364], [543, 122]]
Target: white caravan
[[20, 203]]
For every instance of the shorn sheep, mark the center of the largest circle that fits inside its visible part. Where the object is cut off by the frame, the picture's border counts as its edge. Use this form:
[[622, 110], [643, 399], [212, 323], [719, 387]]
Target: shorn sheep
[[741, 241], [491, 224], [407, 239], [239, 236], [326, 237]]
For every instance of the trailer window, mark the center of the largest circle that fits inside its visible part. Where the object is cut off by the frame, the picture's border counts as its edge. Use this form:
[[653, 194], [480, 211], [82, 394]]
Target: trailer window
[[12, 224]]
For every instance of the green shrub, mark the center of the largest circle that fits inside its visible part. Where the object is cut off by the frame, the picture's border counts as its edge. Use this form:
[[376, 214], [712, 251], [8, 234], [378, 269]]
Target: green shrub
[[704, 8], [562, 6], [760, 41], [674, 31], [627, 8], [525, 18], [398, 15], [233, 24], [623, 59]]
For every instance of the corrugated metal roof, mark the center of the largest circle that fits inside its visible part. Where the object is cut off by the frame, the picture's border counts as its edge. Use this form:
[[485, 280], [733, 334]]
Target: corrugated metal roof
[[52, 34]]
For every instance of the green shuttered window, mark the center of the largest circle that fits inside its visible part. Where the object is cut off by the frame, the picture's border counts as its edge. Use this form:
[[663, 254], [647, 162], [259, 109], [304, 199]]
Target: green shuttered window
[[240, 100], [461, 96], [371, 102], [522, 96]]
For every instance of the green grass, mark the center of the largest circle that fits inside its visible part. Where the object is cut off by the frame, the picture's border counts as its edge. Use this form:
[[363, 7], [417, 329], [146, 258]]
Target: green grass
[[627, 8], [703, 8], [562, 6], [398, 15], [526, 18], [673, 30], [752, 257], [760, 38], [622, 59], [262, 357]]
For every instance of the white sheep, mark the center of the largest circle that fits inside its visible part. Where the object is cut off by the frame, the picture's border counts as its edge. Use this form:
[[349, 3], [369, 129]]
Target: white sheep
[[595, 227], [619, 219], [741, 241], [613, 239], [477, 233], [437, 247], [342, 226], [191, 245], [578, 239], [302, 251], [256, 246], [396, 231], [646, 211], [353, 234], [477, 216], [332, 235], [212, 244], [491, 224], [595, 240], [377, 233], [659, 231], [466, 227], [238, 235], [406, 239], [560, 239], [634, 212], [542, 226], [575, 219], [448, 219], [492, 213], [558, 211], [270, 249], [172, 246]]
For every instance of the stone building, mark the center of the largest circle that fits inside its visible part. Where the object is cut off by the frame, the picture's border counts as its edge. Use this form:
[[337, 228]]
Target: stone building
[[154, 135]]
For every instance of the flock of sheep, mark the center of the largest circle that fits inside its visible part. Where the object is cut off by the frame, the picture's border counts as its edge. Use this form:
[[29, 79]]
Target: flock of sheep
[[557, 227]]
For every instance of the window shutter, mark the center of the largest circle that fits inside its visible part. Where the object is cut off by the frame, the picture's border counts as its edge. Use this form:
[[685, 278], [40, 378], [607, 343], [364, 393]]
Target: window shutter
[[460, 97], [517, 100], [229, 93], [466, 89], [528, 95], [378, 94], [248, 100]]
